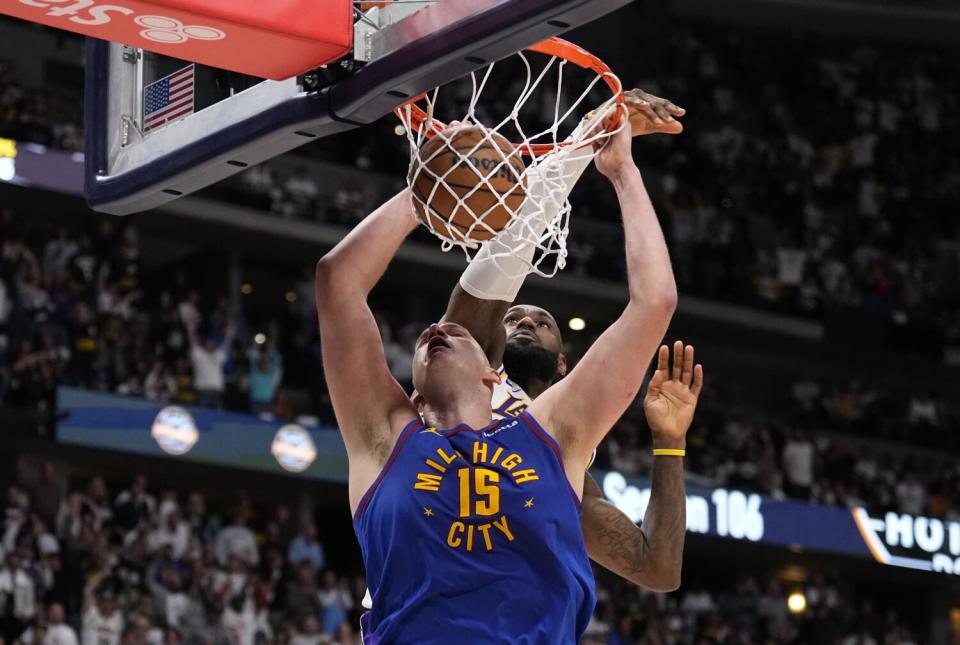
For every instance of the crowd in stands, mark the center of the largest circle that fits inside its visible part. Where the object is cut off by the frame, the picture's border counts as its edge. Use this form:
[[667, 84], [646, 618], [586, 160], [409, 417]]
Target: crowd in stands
[[74, 310], [748, 608], [51, 116], [811, 179], [852, 445], [84, 564]]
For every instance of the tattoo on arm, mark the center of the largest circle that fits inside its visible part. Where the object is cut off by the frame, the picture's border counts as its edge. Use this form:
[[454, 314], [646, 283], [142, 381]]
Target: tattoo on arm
[[650, 555]]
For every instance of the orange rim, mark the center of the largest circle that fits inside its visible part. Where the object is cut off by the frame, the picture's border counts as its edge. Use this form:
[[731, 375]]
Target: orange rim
[[551, 47]]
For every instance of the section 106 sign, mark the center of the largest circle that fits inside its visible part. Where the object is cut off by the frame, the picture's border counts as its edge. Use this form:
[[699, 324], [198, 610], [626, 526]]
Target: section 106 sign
[[726, 513]]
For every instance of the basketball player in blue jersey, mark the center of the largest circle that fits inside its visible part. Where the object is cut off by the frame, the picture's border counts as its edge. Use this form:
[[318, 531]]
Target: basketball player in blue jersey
[[469, 528], [525, 343]]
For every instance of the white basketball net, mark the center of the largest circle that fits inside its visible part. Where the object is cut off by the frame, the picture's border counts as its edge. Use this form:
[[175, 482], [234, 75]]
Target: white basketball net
[[535, 239]]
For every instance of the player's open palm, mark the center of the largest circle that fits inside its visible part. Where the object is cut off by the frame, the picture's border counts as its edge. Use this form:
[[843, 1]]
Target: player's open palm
[[673, 392]]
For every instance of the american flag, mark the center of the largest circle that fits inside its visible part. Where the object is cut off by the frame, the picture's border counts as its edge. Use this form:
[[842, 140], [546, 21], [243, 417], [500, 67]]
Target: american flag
[[167, 99]]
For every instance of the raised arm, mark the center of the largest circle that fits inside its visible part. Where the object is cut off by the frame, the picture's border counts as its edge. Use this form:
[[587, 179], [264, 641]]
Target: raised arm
[[370, 406], [651, 554], [581, 409], [483, 296]]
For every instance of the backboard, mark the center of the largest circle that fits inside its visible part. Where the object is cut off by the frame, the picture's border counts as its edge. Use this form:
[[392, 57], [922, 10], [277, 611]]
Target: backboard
[[158, 128]]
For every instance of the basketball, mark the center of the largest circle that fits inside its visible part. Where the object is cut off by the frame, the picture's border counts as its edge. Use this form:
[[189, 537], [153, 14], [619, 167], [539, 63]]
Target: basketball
[[460, 180]]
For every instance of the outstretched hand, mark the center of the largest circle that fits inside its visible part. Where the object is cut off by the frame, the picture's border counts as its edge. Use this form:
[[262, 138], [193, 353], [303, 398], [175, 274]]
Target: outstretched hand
[[650, 114], [672, 395]]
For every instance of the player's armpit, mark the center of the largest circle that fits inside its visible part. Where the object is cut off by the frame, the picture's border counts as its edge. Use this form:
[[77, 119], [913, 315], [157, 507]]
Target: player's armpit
[[482, 318], [580, 409]]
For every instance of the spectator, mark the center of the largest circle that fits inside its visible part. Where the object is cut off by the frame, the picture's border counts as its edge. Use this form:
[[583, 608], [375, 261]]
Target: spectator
[[266, 372], [309, 633], [208, 360], [923, 411], [911, 495], [238, 541], [102, 620], [160, 386], [173, 532], [798, 465], [17, 597], [58, 632], [134, 505], [306, 549], [335, 602]]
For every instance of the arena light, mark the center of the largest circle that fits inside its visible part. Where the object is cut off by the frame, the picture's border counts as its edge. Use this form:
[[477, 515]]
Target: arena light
[[291, 296], [577, 324], [246, 289], [399, 130], [8, 169], [260, 339], [797, 602], [8, 159]]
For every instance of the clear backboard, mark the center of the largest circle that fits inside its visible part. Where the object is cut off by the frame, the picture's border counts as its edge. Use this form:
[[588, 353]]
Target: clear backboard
[[158, 127]]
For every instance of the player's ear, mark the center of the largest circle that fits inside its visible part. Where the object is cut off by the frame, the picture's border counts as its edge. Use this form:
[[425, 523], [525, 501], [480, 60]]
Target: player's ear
[[491, 377], [417, 399], [561, 364]]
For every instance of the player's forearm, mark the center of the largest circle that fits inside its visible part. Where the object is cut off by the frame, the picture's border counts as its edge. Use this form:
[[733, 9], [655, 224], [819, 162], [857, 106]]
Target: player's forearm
[[649, 273], [482, 318], [649, 556], [361, 258], [665, 521]]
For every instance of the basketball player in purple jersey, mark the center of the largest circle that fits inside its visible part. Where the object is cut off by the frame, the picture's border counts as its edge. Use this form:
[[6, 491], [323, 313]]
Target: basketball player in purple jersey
[[456, 515]]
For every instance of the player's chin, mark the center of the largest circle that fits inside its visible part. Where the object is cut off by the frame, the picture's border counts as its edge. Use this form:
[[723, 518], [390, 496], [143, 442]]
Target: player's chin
[[523, 341]]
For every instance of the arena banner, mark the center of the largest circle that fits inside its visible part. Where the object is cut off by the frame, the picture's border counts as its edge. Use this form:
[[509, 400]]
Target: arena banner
[[133, 425], [892, 539], [35, 166], [298, 35]]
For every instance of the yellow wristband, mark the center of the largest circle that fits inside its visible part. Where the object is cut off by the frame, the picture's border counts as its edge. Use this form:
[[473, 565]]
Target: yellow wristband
[[669, 452]]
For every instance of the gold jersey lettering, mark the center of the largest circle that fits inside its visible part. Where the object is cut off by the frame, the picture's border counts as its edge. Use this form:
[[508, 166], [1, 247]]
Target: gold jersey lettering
[[479, 452], [460, 535], [445, 457], [452, 539], [437, 467], [512, 461], [428, 481], [485, 529], [496, 455], [504, 528], [525, 475]]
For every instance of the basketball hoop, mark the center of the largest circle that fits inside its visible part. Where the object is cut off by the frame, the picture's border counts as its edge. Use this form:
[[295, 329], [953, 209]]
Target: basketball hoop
[[537, 230]]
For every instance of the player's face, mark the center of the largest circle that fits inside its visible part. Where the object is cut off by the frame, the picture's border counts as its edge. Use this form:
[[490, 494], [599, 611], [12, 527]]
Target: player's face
[[446, 352], [529, 325]]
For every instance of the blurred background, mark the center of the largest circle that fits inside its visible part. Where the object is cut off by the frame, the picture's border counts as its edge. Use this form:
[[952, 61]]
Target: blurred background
[[154, 494]]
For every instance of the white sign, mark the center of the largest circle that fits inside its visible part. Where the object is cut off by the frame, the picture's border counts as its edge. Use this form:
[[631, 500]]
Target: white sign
[[175, 431], [729, 513], [293, 448]]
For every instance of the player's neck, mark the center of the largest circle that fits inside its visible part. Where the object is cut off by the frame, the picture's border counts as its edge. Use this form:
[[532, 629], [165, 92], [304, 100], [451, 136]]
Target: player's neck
[[471, 408], [534, 387]]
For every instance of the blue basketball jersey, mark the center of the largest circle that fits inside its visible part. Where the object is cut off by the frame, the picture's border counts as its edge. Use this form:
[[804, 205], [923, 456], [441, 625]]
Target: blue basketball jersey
[[473, 536]]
